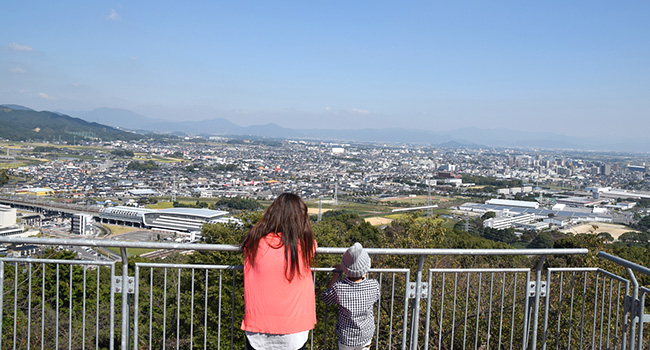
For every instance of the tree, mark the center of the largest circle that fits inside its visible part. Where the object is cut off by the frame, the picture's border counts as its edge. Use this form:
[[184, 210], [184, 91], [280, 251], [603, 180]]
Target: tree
[[543, 240], [143, 166], [505, 235], [582, 240], [606, 236], [122, 153], [4, 178], [488, 215], [644, 223], [635, 237], [237, 204]]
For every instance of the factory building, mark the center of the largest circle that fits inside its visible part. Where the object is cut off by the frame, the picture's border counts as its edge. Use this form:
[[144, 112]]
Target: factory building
[[180, 220], [8, 225], [513, 203], [506, 221]]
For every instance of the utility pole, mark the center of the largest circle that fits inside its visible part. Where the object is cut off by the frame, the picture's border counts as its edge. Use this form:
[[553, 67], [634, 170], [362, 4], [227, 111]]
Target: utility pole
[[429, 209], [336, 193], [320, 208], [174, 189]]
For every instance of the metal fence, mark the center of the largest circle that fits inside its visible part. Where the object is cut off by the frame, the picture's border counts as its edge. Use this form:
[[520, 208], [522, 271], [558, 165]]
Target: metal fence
[[57, 304], [75, 304]]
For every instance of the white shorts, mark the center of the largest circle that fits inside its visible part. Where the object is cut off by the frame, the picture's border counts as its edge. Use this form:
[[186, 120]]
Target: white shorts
[[358, 347]]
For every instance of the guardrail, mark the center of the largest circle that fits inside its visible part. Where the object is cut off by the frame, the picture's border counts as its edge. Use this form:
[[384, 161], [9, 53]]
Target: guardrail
[[79, 304]]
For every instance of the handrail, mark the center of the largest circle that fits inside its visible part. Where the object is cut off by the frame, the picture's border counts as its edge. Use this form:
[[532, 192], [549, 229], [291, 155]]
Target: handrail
[[118, 244], [320, 250], [625, 263], [611, 295]]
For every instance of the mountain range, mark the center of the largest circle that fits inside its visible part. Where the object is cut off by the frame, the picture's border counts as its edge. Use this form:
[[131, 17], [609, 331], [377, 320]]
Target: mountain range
[[467, 137], [18, 123]]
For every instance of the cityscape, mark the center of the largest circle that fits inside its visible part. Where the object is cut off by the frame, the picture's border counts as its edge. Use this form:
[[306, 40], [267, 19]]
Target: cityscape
[[527, 189]]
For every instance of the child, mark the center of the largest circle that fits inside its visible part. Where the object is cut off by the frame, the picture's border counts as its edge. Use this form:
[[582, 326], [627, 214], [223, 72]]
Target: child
[[355, 296]]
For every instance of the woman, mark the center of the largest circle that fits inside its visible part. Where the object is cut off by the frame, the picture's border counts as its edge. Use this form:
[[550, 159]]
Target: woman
[[280, 304]]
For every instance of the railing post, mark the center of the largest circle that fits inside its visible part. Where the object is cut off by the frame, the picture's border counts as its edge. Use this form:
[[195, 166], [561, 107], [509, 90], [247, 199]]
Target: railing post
[[634, 315], [641, 316], [547, 306], [125, 301], [2, 292], [538, 291], [415, 319]]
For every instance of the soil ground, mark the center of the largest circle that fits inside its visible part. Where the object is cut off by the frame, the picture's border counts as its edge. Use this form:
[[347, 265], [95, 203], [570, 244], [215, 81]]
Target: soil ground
[[613, 229]]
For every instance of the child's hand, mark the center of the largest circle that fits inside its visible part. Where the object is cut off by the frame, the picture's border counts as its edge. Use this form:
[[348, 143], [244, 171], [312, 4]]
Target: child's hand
[[336, 275]]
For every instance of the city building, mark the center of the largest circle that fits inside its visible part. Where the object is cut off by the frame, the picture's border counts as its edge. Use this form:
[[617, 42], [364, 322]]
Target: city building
[[7, 216], [181, 219], [36, 191], [81, 224], [506, 221], [513, 203], [8, 226]]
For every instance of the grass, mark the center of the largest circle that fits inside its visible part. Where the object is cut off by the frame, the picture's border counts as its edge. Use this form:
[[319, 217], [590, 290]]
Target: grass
[[449, 223], [21, 162], [75, 156], [145, 157], [131, 251], [118, 230], [161, 205]]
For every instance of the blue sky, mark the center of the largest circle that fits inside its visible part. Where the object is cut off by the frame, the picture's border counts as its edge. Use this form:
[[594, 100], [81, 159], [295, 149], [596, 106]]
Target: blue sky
[[572, 67]]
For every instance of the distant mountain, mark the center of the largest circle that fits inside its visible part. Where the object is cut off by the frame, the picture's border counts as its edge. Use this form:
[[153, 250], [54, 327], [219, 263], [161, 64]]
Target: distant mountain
[[395, 135], [462, 137], [17, 107], [511, 138], [116, 117], [23, 123], [129, 120], [211, 126], [272, 131]]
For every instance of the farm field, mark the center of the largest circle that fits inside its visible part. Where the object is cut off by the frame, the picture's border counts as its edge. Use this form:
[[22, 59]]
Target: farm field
[[378, 220]]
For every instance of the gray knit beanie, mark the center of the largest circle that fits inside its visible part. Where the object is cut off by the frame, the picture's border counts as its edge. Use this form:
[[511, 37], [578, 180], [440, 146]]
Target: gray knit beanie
[[355, 261]]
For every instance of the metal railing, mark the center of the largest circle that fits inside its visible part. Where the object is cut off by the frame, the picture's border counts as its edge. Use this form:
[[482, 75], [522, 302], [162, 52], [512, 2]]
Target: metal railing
[[75, 304]]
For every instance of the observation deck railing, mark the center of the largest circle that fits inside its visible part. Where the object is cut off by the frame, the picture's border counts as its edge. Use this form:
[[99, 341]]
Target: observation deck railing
[[81, 304]]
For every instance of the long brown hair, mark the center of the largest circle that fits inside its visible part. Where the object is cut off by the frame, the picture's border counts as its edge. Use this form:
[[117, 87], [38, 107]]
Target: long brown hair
[[288, 215]]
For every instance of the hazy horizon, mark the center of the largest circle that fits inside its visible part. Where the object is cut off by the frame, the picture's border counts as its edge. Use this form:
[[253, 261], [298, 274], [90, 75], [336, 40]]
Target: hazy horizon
[[569, 68]]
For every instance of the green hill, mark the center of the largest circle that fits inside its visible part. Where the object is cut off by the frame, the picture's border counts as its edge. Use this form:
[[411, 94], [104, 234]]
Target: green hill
[[21, 124]]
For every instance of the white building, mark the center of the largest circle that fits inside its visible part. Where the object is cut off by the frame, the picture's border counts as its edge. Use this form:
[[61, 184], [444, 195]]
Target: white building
[[503, 191], [513, 203], [455, 182], [8, 226], [533, 226], [504, 222], [7, 216], [82, 224], [621, 206]]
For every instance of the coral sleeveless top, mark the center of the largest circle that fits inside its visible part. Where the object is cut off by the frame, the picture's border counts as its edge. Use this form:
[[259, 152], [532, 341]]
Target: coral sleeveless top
[[273, 304]]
